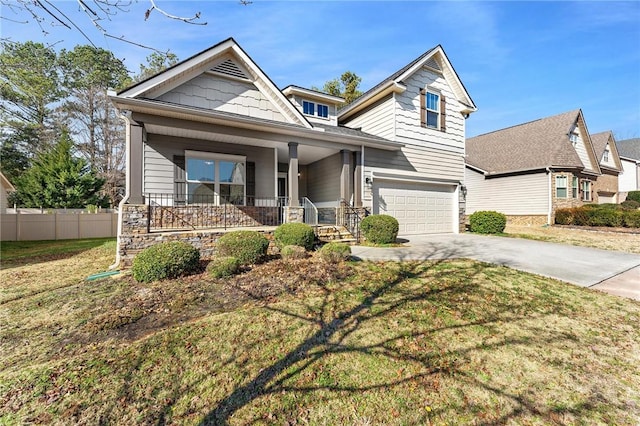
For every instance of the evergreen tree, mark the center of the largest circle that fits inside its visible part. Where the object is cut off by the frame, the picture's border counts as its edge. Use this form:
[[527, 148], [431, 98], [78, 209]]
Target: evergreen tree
[[57, 179]]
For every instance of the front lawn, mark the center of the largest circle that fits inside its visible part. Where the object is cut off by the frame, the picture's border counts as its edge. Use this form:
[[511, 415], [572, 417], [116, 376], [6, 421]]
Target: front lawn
[[449, 342]]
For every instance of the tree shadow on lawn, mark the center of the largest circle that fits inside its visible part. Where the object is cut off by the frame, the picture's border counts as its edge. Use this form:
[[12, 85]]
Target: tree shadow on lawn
[[20, 253], [335, 325]]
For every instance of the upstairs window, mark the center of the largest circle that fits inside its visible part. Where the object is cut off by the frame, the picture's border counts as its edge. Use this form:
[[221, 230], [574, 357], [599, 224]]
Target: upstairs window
[[433, 109], [605, 156], [561, 187], [319, 110], [574, 188], [323, 111], [309, 108], [573, 137]]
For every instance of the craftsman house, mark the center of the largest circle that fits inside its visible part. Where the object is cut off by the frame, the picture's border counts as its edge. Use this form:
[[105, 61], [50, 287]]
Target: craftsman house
[[530, 170], [213, 143]]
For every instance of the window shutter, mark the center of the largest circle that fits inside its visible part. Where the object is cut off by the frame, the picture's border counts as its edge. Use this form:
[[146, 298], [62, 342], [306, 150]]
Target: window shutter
[[443, 114], [251, 182], [179, 179], [423, 108]]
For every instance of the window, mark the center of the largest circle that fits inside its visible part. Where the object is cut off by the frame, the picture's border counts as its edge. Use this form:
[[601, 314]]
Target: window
[[561, 187], [433, 109], [215, 178], [586, 190], [323, 111], [605, 156], [574, 187], [573, 137], [308, 108]]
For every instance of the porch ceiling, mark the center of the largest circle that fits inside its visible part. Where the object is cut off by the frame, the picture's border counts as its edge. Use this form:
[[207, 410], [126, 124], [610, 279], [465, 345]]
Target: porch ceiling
[[306, 153]]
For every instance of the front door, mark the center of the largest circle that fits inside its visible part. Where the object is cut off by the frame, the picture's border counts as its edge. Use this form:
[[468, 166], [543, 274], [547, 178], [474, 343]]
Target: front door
[[282, 185]]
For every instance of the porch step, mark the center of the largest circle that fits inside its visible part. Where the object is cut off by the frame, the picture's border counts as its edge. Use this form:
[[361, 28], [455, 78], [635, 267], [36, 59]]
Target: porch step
[[335, 233]]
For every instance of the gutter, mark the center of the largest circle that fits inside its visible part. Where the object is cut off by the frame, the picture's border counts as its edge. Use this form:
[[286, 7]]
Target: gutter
[[127, 186]]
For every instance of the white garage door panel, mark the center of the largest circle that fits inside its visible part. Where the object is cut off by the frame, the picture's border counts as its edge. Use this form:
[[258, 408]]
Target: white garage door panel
[[419, 208]]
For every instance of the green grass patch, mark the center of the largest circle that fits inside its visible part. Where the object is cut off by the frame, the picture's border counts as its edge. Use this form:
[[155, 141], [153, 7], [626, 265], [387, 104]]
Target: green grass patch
[[448, 342], [12, 250]]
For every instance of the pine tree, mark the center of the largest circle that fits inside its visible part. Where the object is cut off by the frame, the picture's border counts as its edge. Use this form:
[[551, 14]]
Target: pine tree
[[57, 179]]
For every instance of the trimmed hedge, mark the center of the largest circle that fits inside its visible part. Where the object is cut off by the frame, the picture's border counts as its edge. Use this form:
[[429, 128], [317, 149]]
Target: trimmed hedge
[[487, 222], [380, 228], [248, 247], [165, 260], [335, 252], [223, 267], [294, 234], [630, 204], [633, 196], [593, 215], [293, 252]]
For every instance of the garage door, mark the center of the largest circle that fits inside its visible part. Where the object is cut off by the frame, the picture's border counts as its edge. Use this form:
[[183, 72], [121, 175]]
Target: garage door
[[606, 198], [419, 208]]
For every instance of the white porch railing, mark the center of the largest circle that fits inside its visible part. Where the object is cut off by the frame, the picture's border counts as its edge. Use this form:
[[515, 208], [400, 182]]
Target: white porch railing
[[310, 212]]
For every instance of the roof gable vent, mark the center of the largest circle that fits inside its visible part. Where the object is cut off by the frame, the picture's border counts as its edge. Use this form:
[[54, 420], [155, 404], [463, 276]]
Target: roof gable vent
[[231, 69], [431, 63]]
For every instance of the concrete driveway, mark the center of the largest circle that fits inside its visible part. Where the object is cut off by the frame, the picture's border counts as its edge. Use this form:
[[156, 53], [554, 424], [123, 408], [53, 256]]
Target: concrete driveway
[[586, 267]]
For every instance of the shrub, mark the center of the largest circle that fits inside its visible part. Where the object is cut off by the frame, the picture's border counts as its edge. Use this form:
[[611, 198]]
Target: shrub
[[633, 196], [165, 260], [335, 252], [604, 217], [293, 252], [380, 228], [631, 219], [564, 216], [487, 222], [247, 246], [294, 234], [630, 205], [222, 267]]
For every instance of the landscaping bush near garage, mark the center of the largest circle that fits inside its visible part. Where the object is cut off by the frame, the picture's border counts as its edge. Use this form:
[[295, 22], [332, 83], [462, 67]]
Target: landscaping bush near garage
[[249, 247], [165, 260], [294, 234], [487, 222], [606, 215], [380, 228], [633, 196]]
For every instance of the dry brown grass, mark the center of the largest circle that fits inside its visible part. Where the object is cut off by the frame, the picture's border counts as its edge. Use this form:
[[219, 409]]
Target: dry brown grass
[[602, 239]]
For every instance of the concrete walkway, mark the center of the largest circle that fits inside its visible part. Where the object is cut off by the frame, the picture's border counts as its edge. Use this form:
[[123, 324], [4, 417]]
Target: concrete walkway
[[614, 272]]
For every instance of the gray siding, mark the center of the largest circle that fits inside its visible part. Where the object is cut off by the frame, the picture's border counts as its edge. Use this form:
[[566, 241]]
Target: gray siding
[[158, 162], [512, 195], [377, 119], [407, 112], [221, 94], [323, 183]]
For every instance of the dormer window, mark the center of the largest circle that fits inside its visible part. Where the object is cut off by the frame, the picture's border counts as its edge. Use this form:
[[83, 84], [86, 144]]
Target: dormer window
[[573, 137], [605, 156], [319, 110]]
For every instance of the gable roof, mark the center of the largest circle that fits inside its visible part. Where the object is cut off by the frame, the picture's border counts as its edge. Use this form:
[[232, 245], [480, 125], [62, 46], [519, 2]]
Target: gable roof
[[226, 57], [629, 148], [534, 145], [434, 58], [5, 183], [600, 142]]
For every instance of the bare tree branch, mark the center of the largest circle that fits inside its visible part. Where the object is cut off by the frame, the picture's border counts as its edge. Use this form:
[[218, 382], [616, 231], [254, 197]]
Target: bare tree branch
[[187, 20]]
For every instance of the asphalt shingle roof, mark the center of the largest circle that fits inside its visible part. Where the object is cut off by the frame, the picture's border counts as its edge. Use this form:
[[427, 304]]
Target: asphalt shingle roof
[[600, 141], [629, 148], [528, 146]]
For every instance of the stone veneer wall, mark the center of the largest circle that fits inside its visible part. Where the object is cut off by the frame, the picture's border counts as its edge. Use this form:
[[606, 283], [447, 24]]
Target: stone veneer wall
[[213, 216]]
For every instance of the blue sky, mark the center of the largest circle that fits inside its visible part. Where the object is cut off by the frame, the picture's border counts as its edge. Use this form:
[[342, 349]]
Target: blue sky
[[519, 60]]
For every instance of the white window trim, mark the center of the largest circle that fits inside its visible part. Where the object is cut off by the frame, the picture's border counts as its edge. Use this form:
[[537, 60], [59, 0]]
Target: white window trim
[[202, 155], [566, 185], [318, 111], [605, 155], [427, 109], [575, 180], [584, 192]]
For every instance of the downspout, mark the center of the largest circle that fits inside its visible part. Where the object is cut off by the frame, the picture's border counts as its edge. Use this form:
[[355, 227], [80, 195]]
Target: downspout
[[127, 185], [550, 197]]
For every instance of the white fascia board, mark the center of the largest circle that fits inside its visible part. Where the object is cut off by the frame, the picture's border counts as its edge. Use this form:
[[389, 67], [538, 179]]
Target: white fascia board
[[360, 103], [312, 94], [145, 106], [410, 177]]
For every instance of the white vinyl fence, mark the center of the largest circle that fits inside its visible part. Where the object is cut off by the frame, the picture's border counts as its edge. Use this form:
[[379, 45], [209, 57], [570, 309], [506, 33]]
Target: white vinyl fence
[[57, 226]]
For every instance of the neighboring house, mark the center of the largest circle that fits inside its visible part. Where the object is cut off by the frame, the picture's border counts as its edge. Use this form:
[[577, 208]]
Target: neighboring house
[[629, 179], [606, 186], [5, 188], [212, 141], [530, 170]]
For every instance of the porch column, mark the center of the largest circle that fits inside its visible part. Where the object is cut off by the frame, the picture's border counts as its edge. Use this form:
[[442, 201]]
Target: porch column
[[345, 189], [293, 174], [357, 180], [134, 170]]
